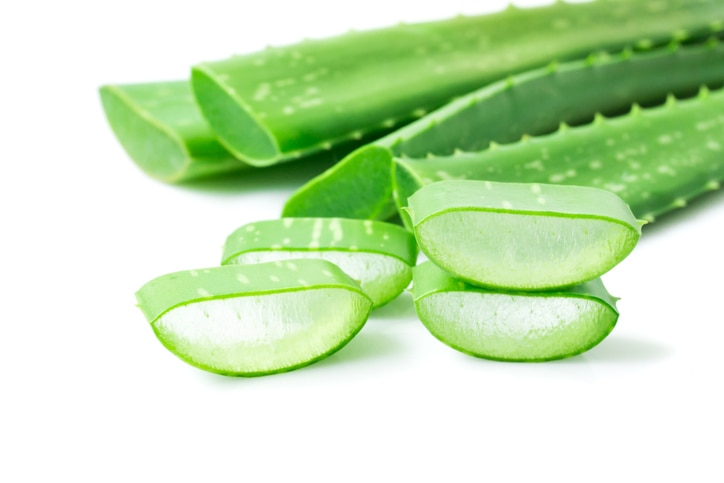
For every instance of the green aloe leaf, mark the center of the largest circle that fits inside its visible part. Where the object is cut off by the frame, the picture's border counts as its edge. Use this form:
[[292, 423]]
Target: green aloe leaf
[[280, 103], [250, 320], [378, 255], [530, 103], [510, 325], [655, 159], [162, 130], [522, 236]]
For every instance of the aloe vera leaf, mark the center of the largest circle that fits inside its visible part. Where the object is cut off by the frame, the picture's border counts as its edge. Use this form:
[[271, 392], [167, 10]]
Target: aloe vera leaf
[[522, 236], [250, 320], [275, 104], [509, 325], [532, 103], [655, 159], [162, 130], [377, 255]]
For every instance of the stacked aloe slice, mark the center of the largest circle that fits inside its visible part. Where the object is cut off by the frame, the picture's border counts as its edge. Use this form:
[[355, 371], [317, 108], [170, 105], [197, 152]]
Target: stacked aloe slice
[[514, 266]]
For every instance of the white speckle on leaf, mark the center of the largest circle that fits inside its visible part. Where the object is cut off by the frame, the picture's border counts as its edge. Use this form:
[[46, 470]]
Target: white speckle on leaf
[[665, 139]]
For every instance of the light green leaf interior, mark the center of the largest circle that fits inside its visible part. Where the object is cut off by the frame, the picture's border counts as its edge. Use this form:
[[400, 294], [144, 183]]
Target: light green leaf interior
[[524, 251], [258, 334], [516, 327]]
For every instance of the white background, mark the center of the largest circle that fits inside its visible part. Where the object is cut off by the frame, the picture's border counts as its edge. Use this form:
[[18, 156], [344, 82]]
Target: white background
[[89, 394]]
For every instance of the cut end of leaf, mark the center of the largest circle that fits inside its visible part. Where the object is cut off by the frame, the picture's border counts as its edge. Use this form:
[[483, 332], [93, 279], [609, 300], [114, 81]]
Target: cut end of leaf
[[236, 125], [156, 150], [262, 334], [516, 327]]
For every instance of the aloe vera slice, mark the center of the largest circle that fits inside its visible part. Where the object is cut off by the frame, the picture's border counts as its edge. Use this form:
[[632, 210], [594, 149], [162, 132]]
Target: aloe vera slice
[[531, 103], [509, 325], [522, 236], [655, 159], [250, 320], [377, 255], [162, 130], [279, 103]]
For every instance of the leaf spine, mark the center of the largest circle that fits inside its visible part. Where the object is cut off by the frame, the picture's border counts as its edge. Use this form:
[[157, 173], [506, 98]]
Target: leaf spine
[[644, 44], [680, 35], [592, 59]]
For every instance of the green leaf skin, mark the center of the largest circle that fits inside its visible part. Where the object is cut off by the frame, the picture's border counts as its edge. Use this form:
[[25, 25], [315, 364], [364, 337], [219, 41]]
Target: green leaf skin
[[275, 104], [378, 255], [521, 236], [531, 103], [251, 320], [512, 326], [162, 130], [655, 159]]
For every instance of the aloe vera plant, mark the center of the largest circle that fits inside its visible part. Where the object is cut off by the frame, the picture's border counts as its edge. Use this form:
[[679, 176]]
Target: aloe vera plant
[[655, 159], [532, 103], [377, 255], [162, 130], [522, 236], [284, 102], [249, 320], [510, 325]]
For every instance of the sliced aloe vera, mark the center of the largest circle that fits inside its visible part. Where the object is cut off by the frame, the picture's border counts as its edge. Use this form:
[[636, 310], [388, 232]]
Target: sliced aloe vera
[[249, 320], [522, 236], [378, 255], [162, 130], [509, 325]]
